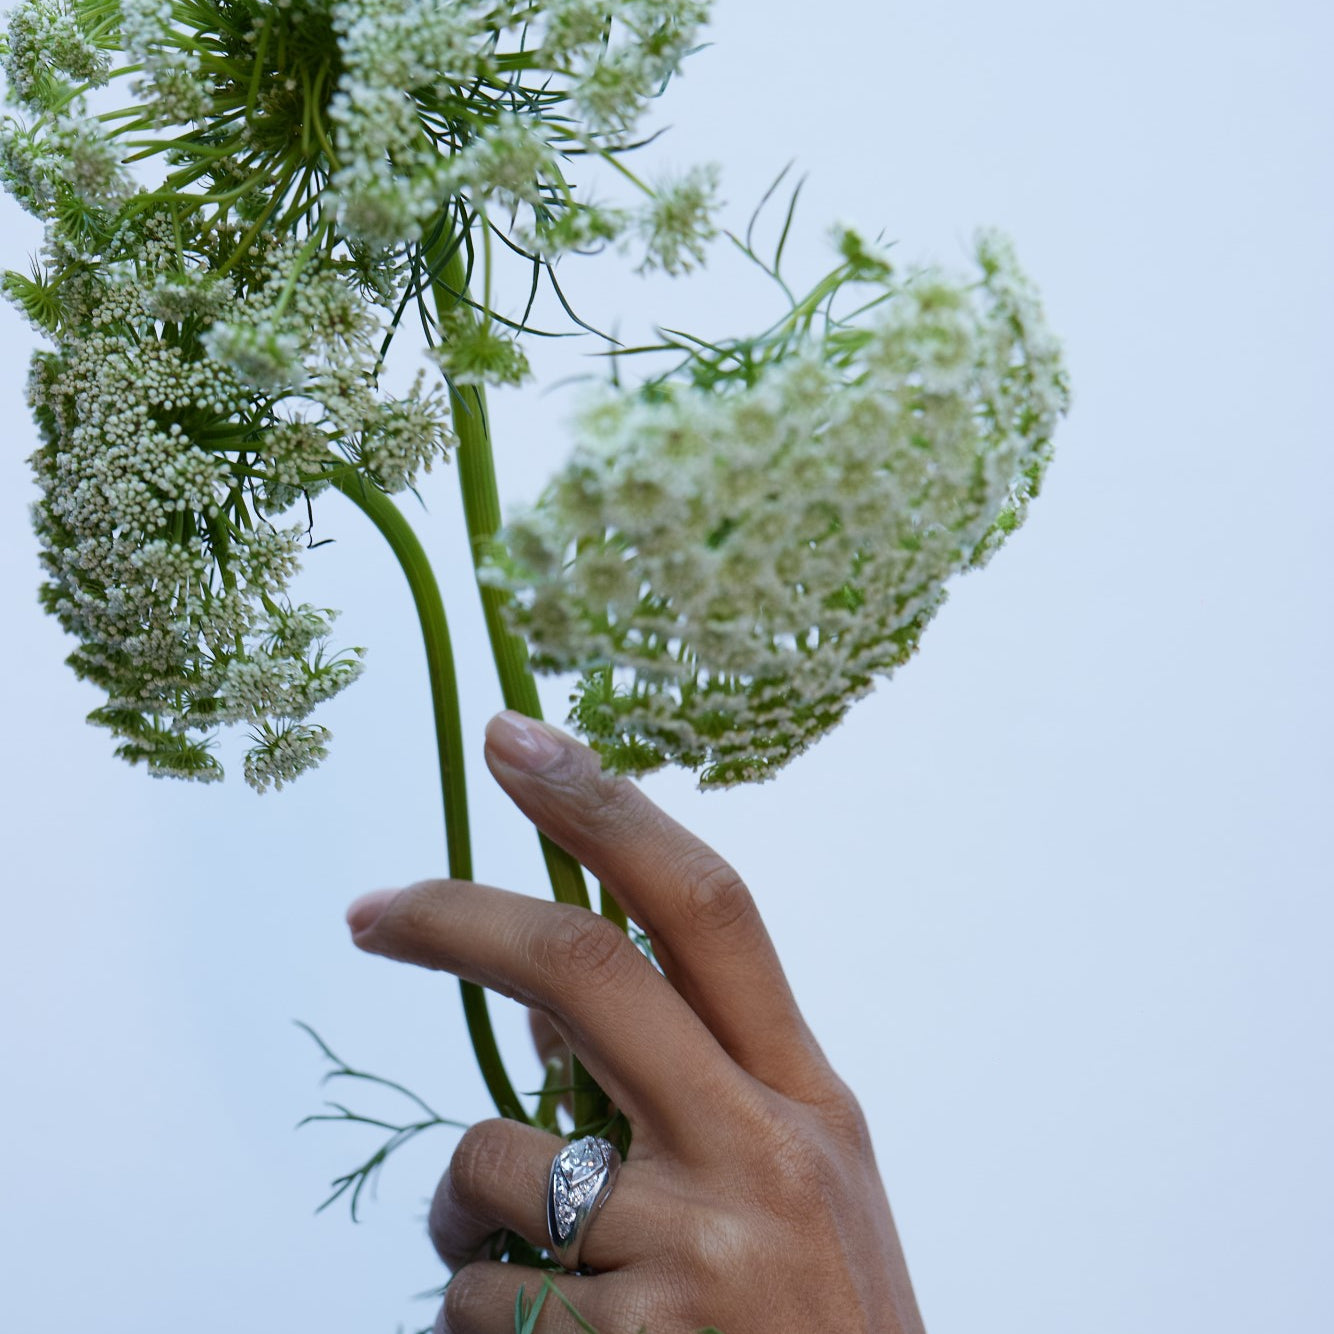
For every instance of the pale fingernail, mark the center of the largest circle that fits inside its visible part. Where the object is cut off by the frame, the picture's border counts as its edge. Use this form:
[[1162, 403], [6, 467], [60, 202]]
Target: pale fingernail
[[365, 911], [523, 743]]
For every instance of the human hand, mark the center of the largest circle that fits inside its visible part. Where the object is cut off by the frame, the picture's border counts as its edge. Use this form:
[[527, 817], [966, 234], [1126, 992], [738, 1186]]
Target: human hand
[[749, 1199]]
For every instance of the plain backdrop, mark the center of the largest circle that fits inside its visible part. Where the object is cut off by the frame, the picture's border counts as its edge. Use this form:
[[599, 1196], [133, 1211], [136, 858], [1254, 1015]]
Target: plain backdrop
[[1057, 899]]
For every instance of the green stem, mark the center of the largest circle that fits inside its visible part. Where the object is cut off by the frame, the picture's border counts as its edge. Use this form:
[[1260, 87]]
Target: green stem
[[610, 909], [481, 509], [387, 517]]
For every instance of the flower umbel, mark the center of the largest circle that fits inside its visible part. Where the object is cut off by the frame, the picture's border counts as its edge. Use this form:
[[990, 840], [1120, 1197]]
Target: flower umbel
[[182, 412], [220, 327], [375, 116], [737, 549]]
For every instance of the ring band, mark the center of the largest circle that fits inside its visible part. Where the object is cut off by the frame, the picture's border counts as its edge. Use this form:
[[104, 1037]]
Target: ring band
[[582, 1175]]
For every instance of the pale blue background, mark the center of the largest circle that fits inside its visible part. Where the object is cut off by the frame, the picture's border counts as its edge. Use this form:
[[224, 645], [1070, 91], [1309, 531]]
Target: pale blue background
[[1058, 899]]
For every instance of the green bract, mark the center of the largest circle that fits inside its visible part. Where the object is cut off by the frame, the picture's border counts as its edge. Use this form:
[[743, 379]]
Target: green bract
[[737, 549]]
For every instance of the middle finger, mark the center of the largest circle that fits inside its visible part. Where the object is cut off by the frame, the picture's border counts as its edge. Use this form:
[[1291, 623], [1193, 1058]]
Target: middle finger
[[706, 930]]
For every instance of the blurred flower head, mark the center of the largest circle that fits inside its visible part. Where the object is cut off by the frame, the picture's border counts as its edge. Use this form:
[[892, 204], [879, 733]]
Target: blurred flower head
[[737, 549]]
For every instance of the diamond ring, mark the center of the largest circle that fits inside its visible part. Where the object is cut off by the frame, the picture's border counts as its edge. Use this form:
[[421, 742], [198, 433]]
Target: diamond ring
[[582, 1175]]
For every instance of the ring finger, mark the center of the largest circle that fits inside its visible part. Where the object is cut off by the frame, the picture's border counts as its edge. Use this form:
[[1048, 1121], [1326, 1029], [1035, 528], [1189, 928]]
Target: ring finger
[[498, 1178]]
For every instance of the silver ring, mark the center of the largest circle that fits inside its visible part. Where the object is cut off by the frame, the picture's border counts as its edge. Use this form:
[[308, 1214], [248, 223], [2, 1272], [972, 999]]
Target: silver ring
[[582, 1175]]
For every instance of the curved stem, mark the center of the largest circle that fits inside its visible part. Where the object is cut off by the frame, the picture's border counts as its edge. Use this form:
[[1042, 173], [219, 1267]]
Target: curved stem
[[481, 509], [387, 517]]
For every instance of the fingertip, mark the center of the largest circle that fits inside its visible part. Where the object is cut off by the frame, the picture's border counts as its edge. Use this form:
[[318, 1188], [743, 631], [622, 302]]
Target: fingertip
[[364, 912], [525, 744]]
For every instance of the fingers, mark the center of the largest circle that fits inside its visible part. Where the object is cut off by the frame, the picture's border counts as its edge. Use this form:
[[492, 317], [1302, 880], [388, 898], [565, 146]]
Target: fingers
[[706, 930], [498, 1178], [481, 1299], [638, 1038]]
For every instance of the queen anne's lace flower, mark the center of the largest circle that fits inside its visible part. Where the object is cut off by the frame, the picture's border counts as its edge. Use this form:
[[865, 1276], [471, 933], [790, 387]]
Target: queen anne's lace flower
[[390, 109], [677, 222], [182, 410], [736, 551], [617, 72], [281, 754]]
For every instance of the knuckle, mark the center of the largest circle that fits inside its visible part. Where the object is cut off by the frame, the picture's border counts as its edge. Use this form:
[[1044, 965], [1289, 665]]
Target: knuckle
[[806, 1187], [479, 1161], [812, 1176], [807, 1168], [713, 895], [585, 948], [717, 1246], [842, 1113]]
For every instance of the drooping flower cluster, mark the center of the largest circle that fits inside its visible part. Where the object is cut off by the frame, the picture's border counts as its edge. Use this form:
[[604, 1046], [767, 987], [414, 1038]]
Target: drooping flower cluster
[[182, 411], [736, 550]]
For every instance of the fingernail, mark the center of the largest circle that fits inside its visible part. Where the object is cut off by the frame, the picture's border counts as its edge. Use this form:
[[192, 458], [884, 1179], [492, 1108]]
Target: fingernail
[[523, 743], [365, 911]]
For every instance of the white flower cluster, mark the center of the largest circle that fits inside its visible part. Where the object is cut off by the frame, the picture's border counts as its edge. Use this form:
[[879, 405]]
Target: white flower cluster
[[64, 154], [735, 551], [45, 39], [391, 108], [303, 335], [433, 104], [388, 183], [678, 222], [170, 79], [617, 70], [281, 754], [183, 409], [70, 154], [381, 119], [474, 350]]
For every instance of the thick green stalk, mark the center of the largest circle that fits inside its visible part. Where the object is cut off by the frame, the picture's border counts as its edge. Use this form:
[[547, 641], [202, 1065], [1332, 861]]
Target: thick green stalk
[[481, 509], [387, 517]]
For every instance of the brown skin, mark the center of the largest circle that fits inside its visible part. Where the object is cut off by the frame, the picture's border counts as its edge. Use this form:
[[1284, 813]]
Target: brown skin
[[750, 1198]]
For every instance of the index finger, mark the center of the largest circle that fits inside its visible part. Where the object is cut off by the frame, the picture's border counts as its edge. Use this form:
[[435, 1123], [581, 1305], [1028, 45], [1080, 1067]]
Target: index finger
[[637, 1037], [706, 931]]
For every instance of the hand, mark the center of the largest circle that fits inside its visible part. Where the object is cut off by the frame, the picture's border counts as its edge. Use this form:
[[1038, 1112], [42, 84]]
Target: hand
[[749, 1199]]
